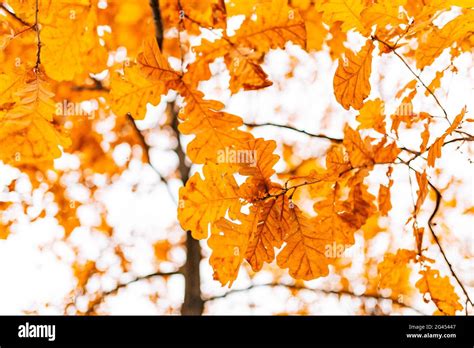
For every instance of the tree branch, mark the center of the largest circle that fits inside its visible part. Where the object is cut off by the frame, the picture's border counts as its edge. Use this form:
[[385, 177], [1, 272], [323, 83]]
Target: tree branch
[[155, 7], [105, 294], [323, 291], [140, 278], [193, 303], [321, 136], [339, 140], [147, 150]]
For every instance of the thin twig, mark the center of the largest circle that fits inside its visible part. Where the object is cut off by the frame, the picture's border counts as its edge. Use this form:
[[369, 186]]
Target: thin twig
[[147, 150], [37, 27], [339, 140], [140, 278], [321, 136], [105, 294], [393, 49], [299, 287]]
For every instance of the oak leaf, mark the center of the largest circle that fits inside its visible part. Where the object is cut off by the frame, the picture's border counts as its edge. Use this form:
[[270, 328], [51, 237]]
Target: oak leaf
[[393, 271], [305, 248], [435, 149], [131, 92], [351, 81], [346, 11], [440, 290], [203, 201]]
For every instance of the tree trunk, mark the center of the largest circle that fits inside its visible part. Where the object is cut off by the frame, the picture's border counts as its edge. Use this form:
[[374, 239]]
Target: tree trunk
[[193, 303]]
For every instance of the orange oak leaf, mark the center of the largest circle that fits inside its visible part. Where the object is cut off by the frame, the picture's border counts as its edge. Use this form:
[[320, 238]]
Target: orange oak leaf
[[371, 115], [268, 232], [435, 149], [362, 153], [351, 81], [304, 252], [393, 271], [440, 291]]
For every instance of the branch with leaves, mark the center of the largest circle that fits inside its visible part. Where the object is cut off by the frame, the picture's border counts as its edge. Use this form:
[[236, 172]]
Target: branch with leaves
[[253, 200]]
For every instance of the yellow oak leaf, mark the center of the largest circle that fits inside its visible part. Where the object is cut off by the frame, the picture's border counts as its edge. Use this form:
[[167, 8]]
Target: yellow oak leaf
[[336, 40], [153, 64], [433, 42], [360, 151], [70, 42], [8, 85], [422, 192], [131, 92], [274, 25], [241, 61], [258, 159], [245, 72], [28, 134], [203, 201], [348, 12], [215, 130], [340, 219], [371, 115], [425, 137], [316, 32], [384, 13], [229, 242], [337, 162], [191, 14], [435, 83]]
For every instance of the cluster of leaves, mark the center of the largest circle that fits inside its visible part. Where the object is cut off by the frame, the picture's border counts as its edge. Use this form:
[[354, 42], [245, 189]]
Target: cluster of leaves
[[55, 50]]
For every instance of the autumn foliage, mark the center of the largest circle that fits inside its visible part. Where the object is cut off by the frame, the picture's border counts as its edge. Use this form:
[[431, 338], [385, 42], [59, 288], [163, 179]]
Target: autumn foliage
[[256, 204]]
